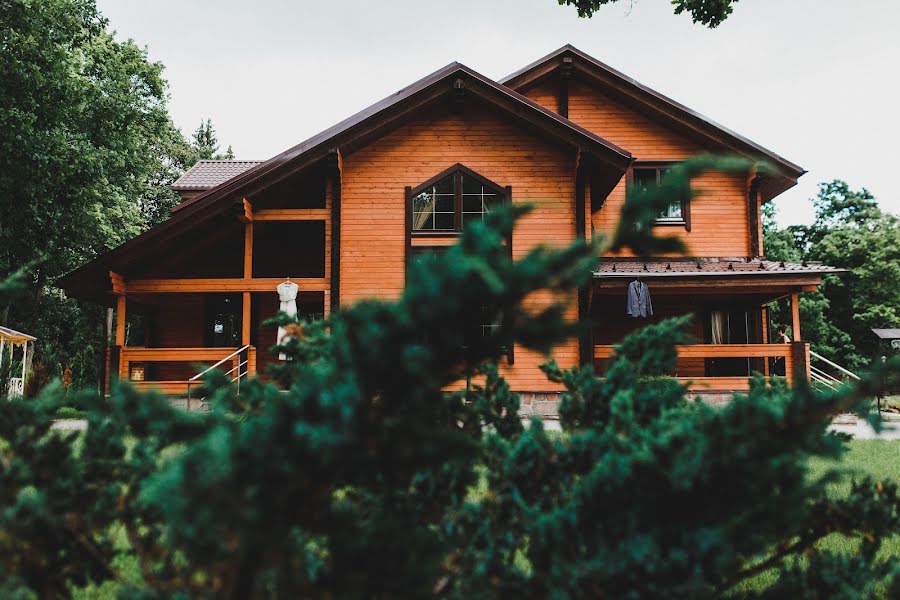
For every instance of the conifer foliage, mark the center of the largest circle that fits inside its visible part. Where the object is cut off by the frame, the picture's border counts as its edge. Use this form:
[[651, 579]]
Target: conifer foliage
[[364, 480]]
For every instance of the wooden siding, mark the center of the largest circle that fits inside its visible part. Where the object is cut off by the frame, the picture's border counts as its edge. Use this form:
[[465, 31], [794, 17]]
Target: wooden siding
[[373, 234], [611, 324], [719, 212]]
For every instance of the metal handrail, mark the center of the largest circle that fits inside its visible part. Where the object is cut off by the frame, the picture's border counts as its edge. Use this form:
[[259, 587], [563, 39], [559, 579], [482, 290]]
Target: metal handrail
[[230, 356], [191, 381], [824, 378], [835, 365], [818, 379]]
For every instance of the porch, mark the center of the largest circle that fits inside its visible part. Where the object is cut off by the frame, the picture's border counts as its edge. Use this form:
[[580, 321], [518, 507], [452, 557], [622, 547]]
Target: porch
[[693, 359], [205, 302], [731, 302]]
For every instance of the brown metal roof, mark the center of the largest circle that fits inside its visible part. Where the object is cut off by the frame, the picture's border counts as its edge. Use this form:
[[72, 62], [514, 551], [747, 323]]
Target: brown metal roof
[[328, 139], [378, 117], [520, 78], [207, 174], [706, 267]]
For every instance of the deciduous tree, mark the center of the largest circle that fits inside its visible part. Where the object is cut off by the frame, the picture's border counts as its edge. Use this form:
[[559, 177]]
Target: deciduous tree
[[711, 13]]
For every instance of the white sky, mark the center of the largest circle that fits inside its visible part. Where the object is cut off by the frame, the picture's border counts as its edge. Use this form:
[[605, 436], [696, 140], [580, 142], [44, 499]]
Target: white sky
[[813, 80]]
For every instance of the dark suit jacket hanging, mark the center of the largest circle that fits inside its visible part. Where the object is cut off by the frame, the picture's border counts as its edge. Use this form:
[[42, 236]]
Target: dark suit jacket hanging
[[638, 300]]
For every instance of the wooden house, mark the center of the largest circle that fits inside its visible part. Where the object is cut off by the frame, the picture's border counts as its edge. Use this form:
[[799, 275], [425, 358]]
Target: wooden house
[[343, 212]]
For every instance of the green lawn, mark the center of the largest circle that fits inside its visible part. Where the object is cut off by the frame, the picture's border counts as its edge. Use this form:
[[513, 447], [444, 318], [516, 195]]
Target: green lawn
[[878, 459], [875, 458]]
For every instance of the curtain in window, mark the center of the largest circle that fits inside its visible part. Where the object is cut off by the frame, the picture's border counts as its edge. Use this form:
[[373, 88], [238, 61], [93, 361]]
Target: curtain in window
[[718, 327], [422, 217]]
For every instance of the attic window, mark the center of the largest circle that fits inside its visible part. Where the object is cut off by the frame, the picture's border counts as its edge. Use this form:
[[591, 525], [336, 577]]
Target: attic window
[[452, 200]]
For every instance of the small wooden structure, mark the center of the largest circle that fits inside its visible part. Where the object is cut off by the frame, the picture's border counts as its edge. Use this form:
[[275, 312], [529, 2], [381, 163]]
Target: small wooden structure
[[12, 338]]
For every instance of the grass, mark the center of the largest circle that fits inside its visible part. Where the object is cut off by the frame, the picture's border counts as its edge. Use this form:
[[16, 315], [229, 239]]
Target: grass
[[875, 458]]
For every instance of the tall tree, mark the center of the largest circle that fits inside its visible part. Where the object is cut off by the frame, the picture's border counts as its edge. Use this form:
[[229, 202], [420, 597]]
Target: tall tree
[[711, 13], [86, 146], [850, 231], [205, 143]]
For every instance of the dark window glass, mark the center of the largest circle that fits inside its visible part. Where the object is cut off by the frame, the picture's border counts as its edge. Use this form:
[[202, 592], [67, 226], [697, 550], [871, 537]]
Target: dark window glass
[[435, 208], [646, 179], [223, 320]]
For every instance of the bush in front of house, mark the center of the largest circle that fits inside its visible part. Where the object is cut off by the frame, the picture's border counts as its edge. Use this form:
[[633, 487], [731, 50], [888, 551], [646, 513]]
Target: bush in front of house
[[364, 479]]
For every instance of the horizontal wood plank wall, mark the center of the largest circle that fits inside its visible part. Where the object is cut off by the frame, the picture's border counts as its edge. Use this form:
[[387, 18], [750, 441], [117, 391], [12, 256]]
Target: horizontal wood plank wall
[[372, 204], [719, 225], [178, 323], [612, 324], [546, 93]]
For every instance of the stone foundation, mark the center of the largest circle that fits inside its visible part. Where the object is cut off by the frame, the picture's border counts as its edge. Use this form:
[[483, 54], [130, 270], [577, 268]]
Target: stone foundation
[[192, 405], [711, 398], [542, 404]]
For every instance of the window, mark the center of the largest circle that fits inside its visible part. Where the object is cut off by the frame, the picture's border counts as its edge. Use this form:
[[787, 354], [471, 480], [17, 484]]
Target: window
[[452, 200], [646, 178], [491, 318]]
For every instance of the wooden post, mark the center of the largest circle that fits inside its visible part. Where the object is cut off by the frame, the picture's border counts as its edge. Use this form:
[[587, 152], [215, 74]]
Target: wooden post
[[800, 361], [245, 320], [24, 359], [766, 334], [248, 250], [795, 317], [120, 320]]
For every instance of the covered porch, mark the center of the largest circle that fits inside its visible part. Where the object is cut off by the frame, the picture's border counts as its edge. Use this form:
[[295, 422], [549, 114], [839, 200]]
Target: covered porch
[[729, 300]]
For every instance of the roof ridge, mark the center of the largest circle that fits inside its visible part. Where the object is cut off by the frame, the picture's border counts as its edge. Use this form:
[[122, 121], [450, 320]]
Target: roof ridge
[[646, 89]]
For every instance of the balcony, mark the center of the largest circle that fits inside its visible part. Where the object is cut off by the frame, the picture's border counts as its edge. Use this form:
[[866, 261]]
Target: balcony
[[694, 361]]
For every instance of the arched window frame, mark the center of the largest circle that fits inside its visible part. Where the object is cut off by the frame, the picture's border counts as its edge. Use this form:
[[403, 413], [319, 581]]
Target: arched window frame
[[457, 171], [440, 241]]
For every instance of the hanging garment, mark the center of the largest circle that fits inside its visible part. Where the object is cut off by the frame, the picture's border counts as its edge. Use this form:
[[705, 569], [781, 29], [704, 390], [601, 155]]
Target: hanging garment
[[638, 299], [287, 296]]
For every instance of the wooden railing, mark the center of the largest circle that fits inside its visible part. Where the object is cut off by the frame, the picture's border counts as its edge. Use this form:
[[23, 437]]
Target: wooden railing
[[794, 355], [132, 354]]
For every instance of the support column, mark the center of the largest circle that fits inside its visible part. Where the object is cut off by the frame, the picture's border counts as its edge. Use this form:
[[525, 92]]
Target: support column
[[245, 320], [120, 320], [795, 317], [120, 336], [334, 167], [248, 274], [24, 360], [585, 340]]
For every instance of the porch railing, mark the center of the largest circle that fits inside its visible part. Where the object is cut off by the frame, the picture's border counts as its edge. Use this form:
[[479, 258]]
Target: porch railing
[[793, 356], [16, 387], [838, 375], [241, 366], [236, 373]]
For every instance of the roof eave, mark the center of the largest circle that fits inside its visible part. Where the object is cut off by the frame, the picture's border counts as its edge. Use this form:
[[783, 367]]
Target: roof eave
[[549, 63]]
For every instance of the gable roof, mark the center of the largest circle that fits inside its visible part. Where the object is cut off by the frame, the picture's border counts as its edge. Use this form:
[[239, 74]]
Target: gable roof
[[380, 117], [207, 174], [429, 86], [659, 105]]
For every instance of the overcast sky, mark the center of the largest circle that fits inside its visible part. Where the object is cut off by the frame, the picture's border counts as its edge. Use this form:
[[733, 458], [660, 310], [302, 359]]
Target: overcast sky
[[814, 80]]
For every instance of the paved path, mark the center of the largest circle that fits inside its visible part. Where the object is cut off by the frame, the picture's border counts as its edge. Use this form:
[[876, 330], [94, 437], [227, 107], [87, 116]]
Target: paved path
[[860, 430]]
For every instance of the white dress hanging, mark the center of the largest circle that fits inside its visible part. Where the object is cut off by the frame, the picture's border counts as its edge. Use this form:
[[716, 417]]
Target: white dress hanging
[[287, 296]]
